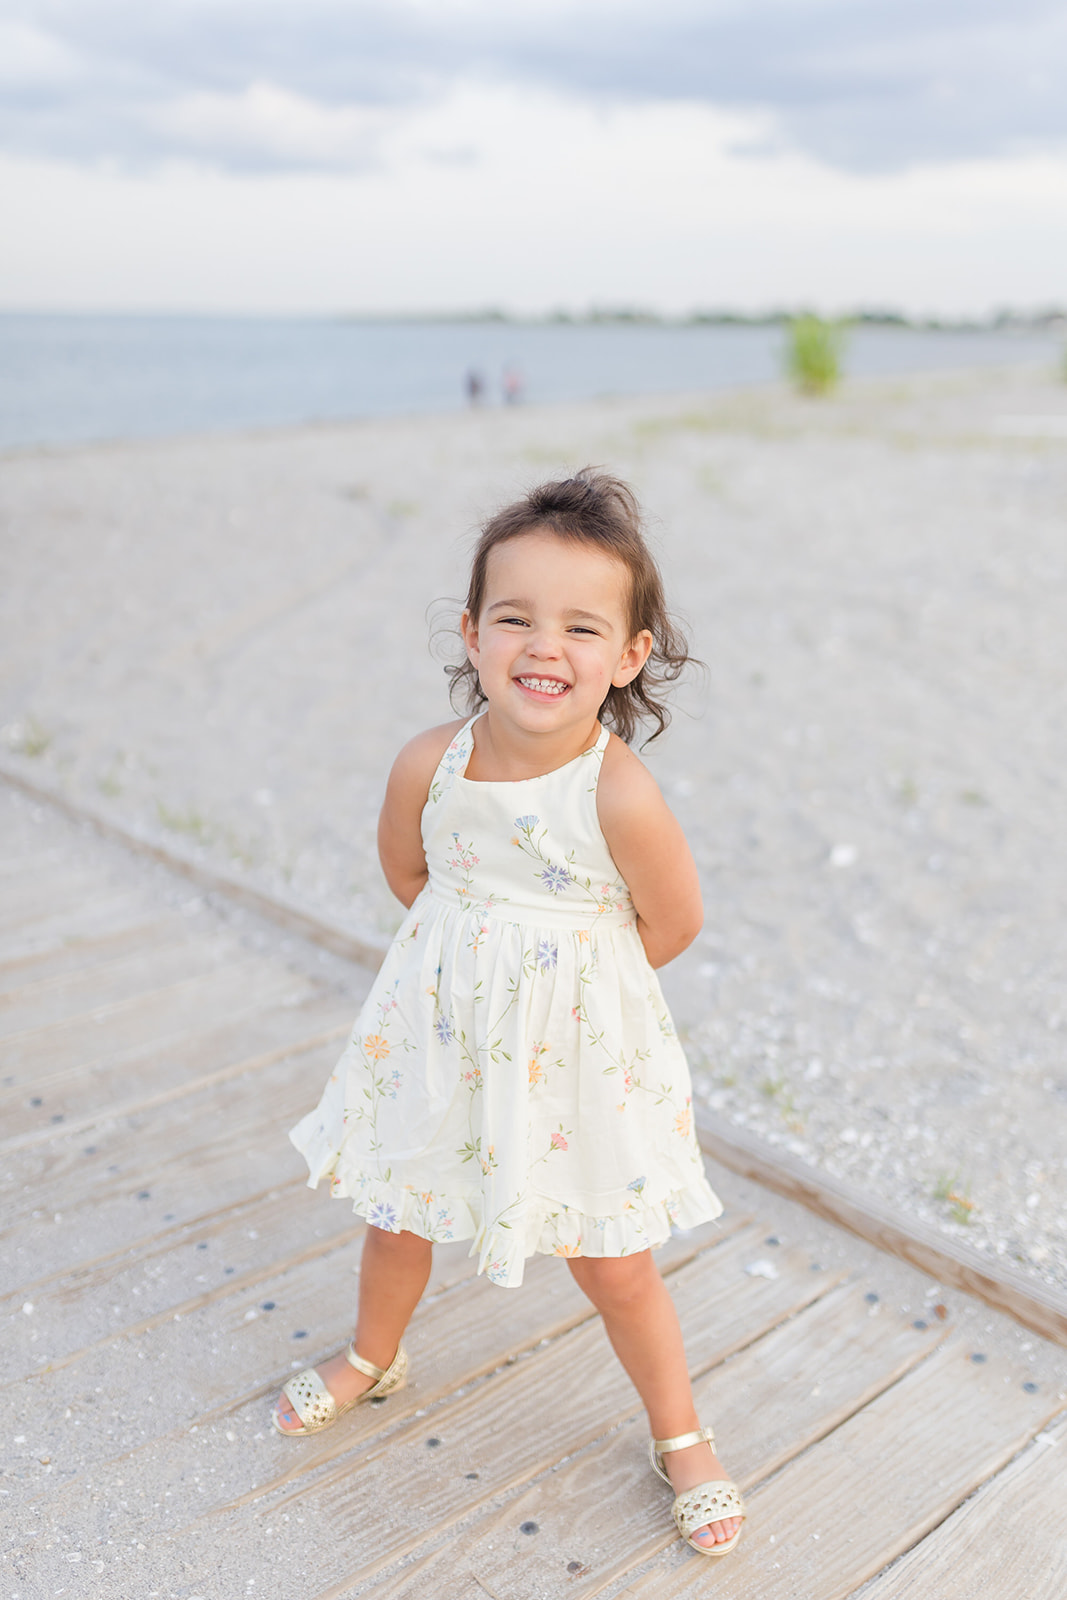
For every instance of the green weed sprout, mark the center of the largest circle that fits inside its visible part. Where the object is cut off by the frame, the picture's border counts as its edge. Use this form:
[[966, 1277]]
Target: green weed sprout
[[814, 347]]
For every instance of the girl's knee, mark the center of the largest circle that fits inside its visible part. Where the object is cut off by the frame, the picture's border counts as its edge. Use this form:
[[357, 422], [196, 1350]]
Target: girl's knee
[[614, 1281], [399, 1246]]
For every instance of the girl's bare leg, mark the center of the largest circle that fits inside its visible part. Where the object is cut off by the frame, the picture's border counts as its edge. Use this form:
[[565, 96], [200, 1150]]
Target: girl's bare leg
[[392, 1277], [642, 1324]]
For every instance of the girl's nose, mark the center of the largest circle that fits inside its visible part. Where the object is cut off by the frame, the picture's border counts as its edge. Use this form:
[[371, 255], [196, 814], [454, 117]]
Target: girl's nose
[[544, 644]]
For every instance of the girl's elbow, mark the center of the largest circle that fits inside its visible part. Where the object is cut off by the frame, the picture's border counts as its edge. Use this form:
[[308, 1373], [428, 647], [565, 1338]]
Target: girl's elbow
[[685, 936]]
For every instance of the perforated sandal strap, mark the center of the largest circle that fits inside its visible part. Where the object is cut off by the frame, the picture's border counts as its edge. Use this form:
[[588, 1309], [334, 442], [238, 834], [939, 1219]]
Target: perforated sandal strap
[[658, 1448]]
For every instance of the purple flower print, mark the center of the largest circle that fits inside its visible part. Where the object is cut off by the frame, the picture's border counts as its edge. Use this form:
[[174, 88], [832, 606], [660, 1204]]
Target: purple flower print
[[443, 1029], [383, 1215], [556, 879], [546, 955]]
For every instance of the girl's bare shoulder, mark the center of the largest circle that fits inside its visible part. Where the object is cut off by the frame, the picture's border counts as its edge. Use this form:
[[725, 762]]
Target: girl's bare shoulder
[[627, 791], [419, 759]]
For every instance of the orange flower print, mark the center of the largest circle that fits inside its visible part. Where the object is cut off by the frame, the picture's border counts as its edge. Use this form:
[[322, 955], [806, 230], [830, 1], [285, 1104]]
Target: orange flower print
[[567, 1249], [536, 1067], [683, 1122], [376, 1047]]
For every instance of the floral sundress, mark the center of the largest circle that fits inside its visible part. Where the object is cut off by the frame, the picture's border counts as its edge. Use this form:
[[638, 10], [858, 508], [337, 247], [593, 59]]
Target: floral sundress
[[514, 1077]]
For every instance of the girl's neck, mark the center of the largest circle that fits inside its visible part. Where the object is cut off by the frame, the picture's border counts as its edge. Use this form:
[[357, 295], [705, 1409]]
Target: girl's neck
[[503, 753]]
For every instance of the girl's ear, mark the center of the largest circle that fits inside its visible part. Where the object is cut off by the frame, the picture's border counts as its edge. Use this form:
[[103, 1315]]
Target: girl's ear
[[632, 659], [469, 629]]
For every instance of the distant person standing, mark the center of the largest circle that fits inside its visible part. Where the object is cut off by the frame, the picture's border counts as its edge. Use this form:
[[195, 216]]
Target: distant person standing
[[475, 387], [512, 385]]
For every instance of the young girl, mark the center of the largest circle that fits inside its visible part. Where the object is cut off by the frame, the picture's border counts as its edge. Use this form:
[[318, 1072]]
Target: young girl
[[513, 1077]]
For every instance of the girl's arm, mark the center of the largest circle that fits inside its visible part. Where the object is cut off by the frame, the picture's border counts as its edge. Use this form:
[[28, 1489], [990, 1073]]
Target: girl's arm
[[399, 825], [650, 851]]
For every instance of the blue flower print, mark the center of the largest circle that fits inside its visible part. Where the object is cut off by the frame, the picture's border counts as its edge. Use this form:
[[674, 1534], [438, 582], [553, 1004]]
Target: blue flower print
[[383, 1215], [443, 1028], [546, 955], [556, 879], [526, 823], [637, 1185]]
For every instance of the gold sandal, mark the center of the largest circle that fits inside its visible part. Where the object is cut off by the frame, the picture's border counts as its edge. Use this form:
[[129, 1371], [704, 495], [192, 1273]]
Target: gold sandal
[[707, 1502], [316, 1406]]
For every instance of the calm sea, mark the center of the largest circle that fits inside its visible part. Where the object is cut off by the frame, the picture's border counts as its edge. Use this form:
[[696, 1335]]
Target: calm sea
[[65, 379]]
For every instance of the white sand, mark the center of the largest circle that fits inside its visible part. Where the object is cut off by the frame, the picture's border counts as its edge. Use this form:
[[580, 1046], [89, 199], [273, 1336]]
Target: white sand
[[226, 638]]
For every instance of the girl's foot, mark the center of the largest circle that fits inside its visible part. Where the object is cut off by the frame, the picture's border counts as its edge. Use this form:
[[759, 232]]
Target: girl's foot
[[343, 1382], [698, 1463]]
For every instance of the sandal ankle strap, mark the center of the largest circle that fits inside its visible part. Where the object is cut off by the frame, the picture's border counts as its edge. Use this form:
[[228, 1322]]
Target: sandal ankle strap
[[682, 1441], [658, 1448], [366, 1367]]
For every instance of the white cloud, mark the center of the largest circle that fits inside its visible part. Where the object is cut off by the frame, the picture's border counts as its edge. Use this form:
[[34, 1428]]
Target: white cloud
[[528, 199], [265, 126], [862, 84]]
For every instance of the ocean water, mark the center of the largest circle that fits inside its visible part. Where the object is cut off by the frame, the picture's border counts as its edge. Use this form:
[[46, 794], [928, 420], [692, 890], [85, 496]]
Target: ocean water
[[68, 379]]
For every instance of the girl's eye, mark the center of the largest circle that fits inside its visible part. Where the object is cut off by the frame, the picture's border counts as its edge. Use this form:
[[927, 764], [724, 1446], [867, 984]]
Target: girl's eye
[[583, 630], [513, 622]]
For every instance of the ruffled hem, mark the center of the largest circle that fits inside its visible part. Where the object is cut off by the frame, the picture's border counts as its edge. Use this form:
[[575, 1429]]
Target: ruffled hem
[[545, 1227]]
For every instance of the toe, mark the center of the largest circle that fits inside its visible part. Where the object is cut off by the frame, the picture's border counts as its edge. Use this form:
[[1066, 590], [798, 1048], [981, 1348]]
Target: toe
[[287, 1419]]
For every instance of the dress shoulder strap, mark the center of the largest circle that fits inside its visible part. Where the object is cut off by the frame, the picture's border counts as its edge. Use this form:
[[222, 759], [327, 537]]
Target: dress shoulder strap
[[453, 763]]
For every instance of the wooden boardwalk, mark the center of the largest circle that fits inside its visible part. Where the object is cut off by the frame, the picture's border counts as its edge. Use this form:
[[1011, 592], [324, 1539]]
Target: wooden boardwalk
[[166, 1268]]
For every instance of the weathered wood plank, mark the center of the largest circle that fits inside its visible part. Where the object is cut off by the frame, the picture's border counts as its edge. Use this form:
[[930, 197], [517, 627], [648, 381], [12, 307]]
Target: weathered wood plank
[[119, 908], [134, 1082], [305, 921], [213, 1425], [876, 1486], [130, 1176], [1037, 1305], [76, 955], [603, 1513], [139, 1020], [1009, 1540], [56, 889], [183, 1266], [84, 994], [722, 1307]]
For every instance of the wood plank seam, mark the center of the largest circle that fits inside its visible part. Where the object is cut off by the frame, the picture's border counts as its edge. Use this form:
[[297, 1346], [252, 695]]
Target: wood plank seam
[[128, 1253], [198, 1302], [288, 914], [330, 1449], [1036, 1305], [134, 1107], [117, 1008]]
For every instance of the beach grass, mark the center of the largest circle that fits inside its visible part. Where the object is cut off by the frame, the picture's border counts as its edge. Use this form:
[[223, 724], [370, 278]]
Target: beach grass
[[813, 353]]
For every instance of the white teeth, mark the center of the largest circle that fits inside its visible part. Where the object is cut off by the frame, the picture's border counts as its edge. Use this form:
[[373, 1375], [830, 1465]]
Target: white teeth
[[543, 685]]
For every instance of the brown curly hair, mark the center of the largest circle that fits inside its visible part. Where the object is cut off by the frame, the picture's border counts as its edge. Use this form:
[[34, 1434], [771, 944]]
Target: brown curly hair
[[591, 508]]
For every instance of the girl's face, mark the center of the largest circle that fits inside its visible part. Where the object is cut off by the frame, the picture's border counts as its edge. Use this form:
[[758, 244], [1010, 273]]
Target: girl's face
[[552, 637]]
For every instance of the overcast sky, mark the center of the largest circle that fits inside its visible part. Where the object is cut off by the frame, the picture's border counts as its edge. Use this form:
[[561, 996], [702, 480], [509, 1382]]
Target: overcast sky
[[336, 154]]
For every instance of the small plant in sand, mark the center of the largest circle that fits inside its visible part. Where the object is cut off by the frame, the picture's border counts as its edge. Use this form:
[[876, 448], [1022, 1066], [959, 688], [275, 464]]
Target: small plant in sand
[[813, 351], [956, 1194], [777, 1089], [30, 738], [189, 822]]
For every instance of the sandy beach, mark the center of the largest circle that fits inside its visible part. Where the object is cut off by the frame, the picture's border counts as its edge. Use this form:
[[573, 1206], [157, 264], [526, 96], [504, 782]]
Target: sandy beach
[[225, 639]]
